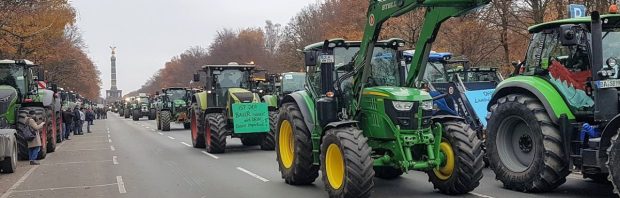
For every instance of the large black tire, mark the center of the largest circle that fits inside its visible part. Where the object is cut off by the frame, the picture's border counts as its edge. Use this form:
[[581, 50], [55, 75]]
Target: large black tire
[[158, 121], [164, 119], [613, 163], [152, 114], [51, 134], [197, 130], [9, 164], [387, 172], [268, 142], [292, 131], [215, 136], [467, 160], [524, 146], [127, 113], [346, 165], [136, 115]]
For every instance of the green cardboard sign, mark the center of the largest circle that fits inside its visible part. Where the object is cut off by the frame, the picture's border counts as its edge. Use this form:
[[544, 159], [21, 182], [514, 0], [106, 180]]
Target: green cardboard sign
[[250, 117]]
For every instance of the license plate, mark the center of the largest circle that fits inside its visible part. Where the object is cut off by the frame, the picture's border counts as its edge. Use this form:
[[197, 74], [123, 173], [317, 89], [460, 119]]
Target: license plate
[[601, 84], [326, 59]]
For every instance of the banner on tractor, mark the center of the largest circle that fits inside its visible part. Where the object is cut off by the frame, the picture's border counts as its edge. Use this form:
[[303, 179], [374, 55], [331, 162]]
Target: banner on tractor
[[250, 117], [479, 100]]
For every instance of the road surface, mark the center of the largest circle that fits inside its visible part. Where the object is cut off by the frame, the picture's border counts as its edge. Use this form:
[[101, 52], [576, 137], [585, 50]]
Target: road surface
[[125, 158]]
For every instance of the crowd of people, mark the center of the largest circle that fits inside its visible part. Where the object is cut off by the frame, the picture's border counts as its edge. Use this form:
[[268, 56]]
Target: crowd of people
[[73, 121]]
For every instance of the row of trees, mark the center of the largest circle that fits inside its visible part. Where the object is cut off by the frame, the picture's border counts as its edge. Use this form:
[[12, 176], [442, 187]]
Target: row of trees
[[494, 35], [44, 31]]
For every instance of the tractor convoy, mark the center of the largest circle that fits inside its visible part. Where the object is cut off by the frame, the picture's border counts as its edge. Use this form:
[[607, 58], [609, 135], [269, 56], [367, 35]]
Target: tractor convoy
[[172, 106]]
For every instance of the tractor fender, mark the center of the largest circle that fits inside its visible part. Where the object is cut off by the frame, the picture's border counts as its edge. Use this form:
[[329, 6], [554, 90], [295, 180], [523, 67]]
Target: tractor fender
[[344, 123], [306, 106], [272, 102], [200, 99], [537, 87]]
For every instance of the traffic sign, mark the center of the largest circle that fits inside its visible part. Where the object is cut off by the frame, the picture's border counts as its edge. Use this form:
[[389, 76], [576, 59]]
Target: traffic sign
[[576, 10]]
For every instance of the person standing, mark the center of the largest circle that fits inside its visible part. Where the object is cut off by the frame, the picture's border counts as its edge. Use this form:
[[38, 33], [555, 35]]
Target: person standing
[[82, 120], [34, 146], [90, 116], [67, 121], [76, 120]]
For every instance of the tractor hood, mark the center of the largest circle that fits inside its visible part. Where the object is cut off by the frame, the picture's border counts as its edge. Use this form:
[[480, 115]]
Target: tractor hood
[[242, 95], [398, 93], [8, 95]]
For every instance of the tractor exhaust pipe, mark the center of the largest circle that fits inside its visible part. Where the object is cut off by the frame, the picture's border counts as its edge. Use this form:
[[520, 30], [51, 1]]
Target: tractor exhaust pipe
[[605, 99]]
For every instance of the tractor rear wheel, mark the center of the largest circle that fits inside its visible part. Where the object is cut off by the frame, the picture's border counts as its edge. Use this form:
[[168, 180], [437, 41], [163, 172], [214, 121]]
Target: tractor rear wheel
[[613, 163], [198, 135], [136, 115], [524, 146], [215, 136], [152, 114], [462, 168], [164, 119], [387, 172], [268, 142], [9, 164], [294, 147], [346, 165], [127, 113], [51, 131]]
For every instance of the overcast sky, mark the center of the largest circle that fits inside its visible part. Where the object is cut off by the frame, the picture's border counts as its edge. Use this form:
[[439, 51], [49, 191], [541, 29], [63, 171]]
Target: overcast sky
[[147, 33]]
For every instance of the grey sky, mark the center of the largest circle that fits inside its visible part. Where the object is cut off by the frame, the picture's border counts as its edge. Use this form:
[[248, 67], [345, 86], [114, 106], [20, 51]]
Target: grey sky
[[147, 33]]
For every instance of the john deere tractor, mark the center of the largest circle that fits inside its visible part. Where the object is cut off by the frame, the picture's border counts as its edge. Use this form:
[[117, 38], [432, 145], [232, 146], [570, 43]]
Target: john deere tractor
[[143, 107], [560, 112], [363, 118], [277, 86], [172, 105], [19, 94], [227, 107]]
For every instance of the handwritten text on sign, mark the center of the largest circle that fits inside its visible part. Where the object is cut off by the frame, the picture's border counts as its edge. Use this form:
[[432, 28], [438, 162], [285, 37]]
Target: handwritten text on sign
[[250, 117]]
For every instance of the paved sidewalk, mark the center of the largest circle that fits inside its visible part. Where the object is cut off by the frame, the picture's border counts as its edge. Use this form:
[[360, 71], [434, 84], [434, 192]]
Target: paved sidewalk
[[80, 167]]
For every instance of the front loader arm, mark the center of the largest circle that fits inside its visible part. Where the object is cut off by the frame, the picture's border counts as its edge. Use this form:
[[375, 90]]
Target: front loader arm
[[379, 11]]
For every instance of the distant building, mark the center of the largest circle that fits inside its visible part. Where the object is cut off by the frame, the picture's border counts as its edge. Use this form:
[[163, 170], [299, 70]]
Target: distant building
[[114, 94]]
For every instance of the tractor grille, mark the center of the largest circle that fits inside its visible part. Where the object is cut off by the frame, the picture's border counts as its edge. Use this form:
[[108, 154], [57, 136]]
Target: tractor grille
[[244, 96], [408, 120], [6, 96]]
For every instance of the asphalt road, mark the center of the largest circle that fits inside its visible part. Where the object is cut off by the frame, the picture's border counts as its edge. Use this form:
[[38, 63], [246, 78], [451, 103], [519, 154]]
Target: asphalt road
[[125, 158]]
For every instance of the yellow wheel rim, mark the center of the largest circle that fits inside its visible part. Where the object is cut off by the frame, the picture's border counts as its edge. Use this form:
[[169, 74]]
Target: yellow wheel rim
[[334, 166], [444, 172], [286, 144]]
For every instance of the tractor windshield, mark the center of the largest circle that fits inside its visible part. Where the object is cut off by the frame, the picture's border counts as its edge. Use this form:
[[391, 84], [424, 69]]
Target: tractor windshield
[[384, 67], [232, 78], [611, 44], [293, 82], [13, 76], [176, 94]]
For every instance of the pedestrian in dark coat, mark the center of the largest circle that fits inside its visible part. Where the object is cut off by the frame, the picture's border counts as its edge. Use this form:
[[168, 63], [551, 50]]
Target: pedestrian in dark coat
[[67, 119], [90, 116]]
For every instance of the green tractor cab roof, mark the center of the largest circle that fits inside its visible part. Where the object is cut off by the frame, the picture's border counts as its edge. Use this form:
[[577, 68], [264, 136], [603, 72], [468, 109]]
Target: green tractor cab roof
[[609, 20], [386, 43], [19, 62]]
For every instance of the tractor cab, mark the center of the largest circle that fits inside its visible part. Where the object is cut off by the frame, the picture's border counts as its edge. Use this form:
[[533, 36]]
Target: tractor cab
[[228, 83]]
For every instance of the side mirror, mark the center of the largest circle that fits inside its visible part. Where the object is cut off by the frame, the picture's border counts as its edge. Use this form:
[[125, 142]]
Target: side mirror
[[55, 88], [196, 77], [568, 36], [310, 58]]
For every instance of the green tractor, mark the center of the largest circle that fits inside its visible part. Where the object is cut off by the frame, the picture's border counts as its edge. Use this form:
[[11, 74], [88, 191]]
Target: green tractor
[[142, 107], [128, 104], [227, 107], [277, 86], [23, 89], [172, 105], [560, 112], [359, 116]]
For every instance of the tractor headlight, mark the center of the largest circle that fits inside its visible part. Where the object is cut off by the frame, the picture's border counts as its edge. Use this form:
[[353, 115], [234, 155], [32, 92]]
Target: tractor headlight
[[260, 91], [427, 105], [402, 106]]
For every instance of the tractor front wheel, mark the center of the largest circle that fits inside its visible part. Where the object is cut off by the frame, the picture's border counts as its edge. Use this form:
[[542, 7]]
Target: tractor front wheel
[[294, 147], [216, 133], [613, 163], [152, 114], [136, 115], [268, 142], [127, 113], [463, 162], [346, 165], [164, 119], [524, 146]]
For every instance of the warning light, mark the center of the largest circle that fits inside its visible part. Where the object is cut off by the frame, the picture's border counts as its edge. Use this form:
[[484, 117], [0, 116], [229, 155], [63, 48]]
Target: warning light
[[613, 9], [329, 94]]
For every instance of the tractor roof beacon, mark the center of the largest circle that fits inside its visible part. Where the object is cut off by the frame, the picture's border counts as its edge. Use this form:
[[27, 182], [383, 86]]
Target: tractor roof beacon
[[358, 119], [561, 108]]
